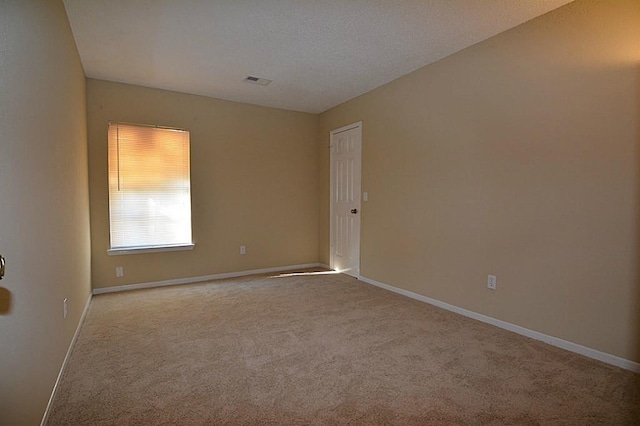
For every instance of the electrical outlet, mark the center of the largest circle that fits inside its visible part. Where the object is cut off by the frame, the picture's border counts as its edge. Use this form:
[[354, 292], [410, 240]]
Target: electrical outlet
[[119, 271], [65, 308], [492, 282], [243, 249], [365, 196]]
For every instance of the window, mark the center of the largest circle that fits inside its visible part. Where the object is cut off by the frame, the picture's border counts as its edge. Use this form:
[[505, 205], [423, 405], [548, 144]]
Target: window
[[149, 189]]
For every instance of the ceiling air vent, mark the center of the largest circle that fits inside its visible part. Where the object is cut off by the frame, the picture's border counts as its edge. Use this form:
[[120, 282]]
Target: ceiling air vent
[[257, 80]]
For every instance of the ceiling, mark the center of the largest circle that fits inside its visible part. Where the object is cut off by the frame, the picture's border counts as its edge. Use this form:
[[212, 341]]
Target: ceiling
[[319, 53]]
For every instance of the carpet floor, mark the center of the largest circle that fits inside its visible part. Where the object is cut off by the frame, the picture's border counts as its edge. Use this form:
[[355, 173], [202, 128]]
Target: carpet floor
[[298, 348]]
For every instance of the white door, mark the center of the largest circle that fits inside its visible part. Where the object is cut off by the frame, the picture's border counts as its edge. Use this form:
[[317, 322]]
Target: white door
[[346, 150]]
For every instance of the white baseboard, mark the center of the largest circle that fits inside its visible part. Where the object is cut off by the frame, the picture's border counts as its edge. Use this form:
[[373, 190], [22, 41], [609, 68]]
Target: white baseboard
[[47, 411], [564, 344], [192, 280]]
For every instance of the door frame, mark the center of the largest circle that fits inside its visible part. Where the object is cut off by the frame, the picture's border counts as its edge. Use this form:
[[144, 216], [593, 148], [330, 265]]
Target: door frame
[[332, 225]]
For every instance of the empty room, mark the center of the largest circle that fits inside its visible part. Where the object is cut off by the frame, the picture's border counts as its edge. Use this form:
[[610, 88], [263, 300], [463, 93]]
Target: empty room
[[320, 212]]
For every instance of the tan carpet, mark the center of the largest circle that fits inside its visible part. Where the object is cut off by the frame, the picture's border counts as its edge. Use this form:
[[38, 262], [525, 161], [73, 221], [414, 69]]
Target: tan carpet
[[321, 349]]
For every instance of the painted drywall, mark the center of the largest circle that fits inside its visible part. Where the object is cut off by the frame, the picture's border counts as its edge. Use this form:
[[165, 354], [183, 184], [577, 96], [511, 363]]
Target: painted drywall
[[517, 157], [254, 182], [44, 203]]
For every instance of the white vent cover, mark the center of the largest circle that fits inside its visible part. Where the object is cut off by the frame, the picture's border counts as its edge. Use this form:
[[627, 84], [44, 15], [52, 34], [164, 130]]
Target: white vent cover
[[257, 80]]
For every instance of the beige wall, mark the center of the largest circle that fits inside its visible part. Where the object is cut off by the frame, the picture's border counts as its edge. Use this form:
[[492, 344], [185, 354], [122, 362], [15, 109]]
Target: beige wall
[[519, 157], [44, 204], [254, 182]]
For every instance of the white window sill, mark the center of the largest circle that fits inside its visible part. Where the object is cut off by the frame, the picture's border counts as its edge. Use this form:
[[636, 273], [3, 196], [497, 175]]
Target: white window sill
[[149, 249]]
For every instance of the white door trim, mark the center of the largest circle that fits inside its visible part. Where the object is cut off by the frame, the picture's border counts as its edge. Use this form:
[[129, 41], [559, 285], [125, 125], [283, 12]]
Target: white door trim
[[332, 224]]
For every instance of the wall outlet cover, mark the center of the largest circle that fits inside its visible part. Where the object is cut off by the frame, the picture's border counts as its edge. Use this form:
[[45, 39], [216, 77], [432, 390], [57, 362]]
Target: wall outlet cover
[[492, 282]]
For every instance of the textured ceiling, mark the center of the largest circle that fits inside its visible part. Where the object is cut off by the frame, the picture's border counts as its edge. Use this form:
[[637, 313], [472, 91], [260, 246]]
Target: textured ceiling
[[319, 53]]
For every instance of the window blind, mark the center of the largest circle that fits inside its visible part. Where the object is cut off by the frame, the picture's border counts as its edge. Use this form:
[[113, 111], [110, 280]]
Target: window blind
[[149, 187]]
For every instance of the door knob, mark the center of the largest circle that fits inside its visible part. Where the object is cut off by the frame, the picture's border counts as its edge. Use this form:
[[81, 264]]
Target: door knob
[[354, 211], [1, 267]]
